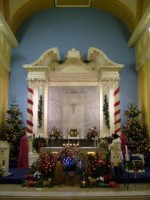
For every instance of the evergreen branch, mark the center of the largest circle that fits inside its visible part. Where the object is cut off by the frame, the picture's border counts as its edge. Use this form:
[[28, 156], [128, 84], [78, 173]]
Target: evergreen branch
[[40, 112], [106, 112]]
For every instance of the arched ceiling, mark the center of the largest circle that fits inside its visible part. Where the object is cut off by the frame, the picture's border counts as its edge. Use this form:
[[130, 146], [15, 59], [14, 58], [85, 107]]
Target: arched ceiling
[[15, 12], [135, 14]]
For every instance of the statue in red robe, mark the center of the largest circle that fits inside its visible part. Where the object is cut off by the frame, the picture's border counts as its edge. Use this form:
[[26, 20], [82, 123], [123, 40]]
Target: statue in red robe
[[123, 145], [23, 161]]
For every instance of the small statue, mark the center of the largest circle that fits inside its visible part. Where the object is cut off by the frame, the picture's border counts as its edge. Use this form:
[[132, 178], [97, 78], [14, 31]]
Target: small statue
[[58, 172]]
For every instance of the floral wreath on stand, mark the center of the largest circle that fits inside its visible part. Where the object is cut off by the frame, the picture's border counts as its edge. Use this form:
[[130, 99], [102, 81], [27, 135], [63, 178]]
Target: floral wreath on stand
[[39, 142]]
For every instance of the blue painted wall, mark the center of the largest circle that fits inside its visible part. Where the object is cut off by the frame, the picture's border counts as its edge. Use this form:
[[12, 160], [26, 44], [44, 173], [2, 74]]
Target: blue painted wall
[[68, 28]]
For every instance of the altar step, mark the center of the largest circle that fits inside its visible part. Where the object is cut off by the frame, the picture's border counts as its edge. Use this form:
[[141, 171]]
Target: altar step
[[67, 193], [81, 149]]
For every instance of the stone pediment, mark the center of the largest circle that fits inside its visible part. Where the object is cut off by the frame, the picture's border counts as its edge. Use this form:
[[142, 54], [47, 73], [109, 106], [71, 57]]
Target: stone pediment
[[48, 57], [73, 63], [102, 61], [73, 68]]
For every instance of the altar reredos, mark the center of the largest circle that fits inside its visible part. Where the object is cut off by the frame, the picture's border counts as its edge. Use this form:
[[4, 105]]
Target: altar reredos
[[74, 68]]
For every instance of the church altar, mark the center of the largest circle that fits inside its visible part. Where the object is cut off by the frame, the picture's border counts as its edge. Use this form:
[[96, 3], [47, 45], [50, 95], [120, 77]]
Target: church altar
[[56, 150], [71, 141], [55, 146], [72, 94]]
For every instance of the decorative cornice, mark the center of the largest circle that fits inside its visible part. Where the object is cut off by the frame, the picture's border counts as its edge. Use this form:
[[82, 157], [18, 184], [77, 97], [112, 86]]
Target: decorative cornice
[[37, 80], [8, 34], [109, 76], [31, 68], [74, 68], [73, 77], [142, 25], [111, 68]]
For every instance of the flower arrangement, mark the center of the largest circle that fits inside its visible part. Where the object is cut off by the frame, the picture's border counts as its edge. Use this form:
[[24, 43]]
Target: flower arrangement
[[44, 164], [104, 143], [39, 142], [41, 173], [91, 170], [55, 134], [92, 133], [98, 167], [72, 159]]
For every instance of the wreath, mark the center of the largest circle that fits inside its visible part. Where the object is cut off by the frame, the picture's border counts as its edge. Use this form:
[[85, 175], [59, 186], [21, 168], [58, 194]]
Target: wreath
[[38, 143]]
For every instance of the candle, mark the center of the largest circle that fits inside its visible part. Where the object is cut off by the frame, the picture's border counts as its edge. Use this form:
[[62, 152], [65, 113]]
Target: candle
[[49, 181], [3, 162], [127, 155], [83, 183]]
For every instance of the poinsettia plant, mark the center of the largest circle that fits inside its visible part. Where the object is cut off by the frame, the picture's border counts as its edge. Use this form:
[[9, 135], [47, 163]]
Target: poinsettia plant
[[92, 133], [44, 164], [55, 134]]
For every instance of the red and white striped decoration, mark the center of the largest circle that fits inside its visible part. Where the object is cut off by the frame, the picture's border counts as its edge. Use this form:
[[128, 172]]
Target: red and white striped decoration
[[117, 118], [29, 128]]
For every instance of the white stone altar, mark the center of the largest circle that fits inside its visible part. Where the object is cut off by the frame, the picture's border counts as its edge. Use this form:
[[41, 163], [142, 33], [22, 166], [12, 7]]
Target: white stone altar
[[4, 157]]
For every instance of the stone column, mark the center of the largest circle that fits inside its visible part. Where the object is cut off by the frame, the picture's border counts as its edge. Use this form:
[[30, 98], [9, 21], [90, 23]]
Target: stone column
[[40, 122], [29, 126], [109, 80], [106, 130], [111, 107], [35, 108], [45, 110], [101, 109], [117, 117]]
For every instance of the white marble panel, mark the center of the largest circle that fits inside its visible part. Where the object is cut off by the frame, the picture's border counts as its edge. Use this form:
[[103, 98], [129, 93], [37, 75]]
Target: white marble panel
[[90, 108], [73, 113]]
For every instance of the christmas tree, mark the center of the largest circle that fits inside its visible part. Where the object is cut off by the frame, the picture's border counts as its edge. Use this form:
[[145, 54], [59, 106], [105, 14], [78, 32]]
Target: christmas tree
[[137, 140], [13, 129]]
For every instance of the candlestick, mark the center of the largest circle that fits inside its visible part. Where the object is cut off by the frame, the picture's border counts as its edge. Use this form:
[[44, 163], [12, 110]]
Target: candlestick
[[83, 184], [127, 155], [49, 181]]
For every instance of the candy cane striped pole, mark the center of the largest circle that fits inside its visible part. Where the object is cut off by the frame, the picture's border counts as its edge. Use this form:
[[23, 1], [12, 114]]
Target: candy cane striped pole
[[29, 128], [117, 118]]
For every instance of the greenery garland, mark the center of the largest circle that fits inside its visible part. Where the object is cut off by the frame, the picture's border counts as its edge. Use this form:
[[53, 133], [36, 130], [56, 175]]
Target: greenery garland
[[40, 112], [39, 142], [106, 112]]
